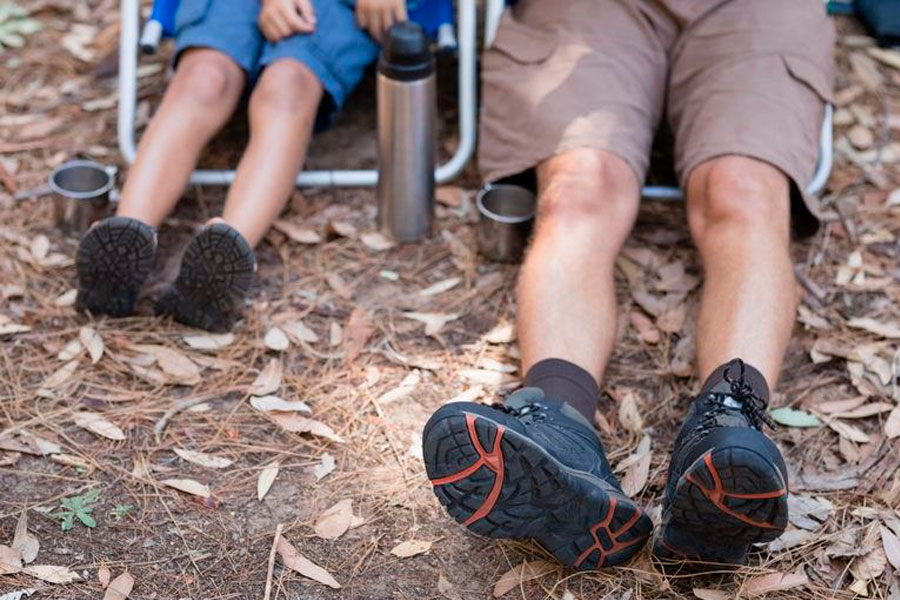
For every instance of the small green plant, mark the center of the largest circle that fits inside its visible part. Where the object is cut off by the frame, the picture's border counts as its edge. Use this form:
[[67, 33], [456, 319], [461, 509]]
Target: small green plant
[[78, 507], [121, 511], [15, 25]]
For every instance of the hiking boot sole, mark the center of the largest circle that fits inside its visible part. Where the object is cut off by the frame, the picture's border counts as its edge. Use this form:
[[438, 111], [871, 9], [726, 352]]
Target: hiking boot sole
[[728, 499], [501, 484], [216, 274], [114, 259]]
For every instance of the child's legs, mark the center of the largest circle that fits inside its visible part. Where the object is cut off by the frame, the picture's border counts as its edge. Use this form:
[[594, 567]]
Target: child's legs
[[283, 109], [200, 99]]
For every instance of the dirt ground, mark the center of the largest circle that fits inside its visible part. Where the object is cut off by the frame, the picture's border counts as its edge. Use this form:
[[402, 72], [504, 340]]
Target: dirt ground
[[95, 409]]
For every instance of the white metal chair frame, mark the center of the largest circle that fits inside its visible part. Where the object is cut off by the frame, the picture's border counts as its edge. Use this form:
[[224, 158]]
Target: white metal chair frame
[[467, 99]]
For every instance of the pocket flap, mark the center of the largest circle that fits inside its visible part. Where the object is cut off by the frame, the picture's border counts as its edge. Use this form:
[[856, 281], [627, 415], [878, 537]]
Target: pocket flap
[[810, 73], [523, 43]]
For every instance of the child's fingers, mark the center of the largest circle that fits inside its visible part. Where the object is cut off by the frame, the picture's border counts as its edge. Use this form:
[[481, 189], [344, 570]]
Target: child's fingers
[[362, 18], [400, 13], [375, 26], [306, 10], [293, 21]]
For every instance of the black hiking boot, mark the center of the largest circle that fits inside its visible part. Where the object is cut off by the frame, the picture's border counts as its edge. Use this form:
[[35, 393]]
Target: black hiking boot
[[533, 468], [727, 484], [114, 259], [216, 273]]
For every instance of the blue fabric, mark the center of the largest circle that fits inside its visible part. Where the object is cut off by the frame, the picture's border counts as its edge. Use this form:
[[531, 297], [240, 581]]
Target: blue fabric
[[164, 12], [337, 52]]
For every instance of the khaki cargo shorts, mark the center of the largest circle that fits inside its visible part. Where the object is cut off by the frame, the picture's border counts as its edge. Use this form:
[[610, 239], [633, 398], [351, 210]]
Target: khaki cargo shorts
[[747, 77]]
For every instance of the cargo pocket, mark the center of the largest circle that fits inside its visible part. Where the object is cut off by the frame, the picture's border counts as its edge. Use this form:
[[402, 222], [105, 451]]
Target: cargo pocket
[[522, 43], [190, 12], [811, 74]]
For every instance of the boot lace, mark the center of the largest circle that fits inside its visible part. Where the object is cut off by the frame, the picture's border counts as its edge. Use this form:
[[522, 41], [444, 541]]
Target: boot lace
[[528, 414], [751, 405]]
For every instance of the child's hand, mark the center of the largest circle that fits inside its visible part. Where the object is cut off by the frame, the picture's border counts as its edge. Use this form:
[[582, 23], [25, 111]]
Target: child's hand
[[377, 15], [279, 19]]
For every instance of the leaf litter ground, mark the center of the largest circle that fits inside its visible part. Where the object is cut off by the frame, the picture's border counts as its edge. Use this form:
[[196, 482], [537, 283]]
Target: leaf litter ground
[[284, 460]]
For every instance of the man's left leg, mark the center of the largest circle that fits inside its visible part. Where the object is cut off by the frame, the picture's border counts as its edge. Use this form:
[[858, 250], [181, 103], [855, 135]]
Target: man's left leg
[[726, 476]]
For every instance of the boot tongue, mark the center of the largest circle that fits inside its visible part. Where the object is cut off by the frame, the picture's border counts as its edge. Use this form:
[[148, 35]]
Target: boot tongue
[[720, 381]]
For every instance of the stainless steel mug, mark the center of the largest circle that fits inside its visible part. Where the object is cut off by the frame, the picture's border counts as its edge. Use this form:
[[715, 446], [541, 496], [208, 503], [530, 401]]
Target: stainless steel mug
[[505, 222], [407, 104], [82, 190]]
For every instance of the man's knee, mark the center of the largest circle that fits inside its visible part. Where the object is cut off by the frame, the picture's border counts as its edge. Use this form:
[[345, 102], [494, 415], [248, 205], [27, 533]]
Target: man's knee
[[207, 78], [738, 192], [588, 189], [286, 86]]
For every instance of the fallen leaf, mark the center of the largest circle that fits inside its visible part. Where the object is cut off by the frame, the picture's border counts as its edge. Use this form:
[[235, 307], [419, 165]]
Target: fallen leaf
[[71, 461], [66, 299], [792, 539], [276, 340], [891, 545], [297, 331], [359, 329], [774, 582], [188, 486], [486, 377], [296, 424], [440, 287], [638, 471], [628, 413], [334, 522], [335, 334], [103, 576], [807, 512], [325, 467], [209, 341], [708, 594], [502, 333], [120, 587], [411, 548], [839, 406], [885, 330], [343, 229], [870, 565], [72, 349], [270, 403], [648, 333], [10, 560], [8, 459], [18, 594], [23, 542], [91, 340], [794, 418], [525, 571], [469, 395], [11, 328], [301, 235], [434, 322], [203, 459], [27, 442], [266, 479], [52, 574], [61, 375], [337, 283], [269, 379], [376, 241], [865, 411], [99, 425], [848, 431], [892, 424], [177, 367], [302, 565]]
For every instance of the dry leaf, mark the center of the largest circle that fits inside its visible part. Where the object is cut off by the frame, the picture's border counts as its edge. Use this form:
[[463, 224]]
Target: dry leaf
[[297, 424], [870, 565], [97, 424], [886, 330], [61, 375], [774, 582], [103, 576], [266, 479], [892, 424], [91, 340], [325, 466], [526, 571], [270, 403], [66, 299], [71, 461], [27, 442], [276, 340], [359, 330], [440, 287], [708, 594], [177, 367], [335, 334], [8, 459], [343, 229], [188, 486], [72, 349], [486, 377], [891, 545], [434, 322], [209, 341], [411, 548], [334, 522], [10, 560], [40, 247], [502, 333], [299, 563], [638, 472], [301, 235], [297, 331], [839, 406], [203, 459], [52, 574], [120, 587], [865, 411], [376, 241], [629, 414], [269, 379], [848, 431], [11, 328], [23, 542], [648, 333], [469, 395]]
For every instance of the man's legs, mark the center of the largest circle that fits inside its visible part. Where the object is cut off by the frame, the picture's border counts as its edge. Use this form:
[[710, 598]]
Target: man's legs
[[739, 216], [588, 202], [199, 101]]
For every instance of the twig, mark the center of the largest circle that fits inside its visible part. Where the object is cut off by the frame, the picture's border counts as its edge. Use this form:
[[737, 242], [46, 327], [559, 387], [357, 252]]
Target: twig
[[272, 561], [179, 406]]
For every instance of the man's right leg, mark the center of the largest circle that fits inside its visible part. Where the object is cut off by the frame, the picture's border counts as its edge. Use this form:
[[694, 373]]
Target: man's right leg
[[588, 202], [116, 256]]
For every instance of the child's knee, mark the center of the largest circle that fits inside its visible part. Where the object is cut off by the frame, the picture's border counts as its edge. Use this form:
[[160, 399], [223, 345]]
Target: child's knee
[[207, 78], [286, 86]]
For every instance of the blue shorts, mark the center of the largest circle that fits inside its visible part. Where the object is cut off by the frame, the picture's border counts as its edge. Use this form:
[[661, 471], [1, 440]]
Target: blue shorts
[[337, 52]]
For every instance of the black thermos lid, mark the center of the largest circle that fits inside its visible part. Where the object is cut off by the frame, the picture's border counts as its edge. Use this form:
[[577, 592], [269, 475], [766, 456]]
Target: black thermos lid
[[406, 53]]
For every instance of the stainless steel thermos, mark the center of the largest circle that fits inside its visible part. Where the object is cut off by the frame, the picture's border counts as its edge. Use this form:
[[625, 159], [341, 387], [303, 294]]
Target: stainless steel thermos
[[407, 103]]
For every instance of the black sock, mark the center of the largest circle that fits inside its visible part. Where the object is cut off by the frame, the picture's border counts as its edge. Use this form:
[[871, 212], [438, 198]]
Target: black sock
[[562, 380]]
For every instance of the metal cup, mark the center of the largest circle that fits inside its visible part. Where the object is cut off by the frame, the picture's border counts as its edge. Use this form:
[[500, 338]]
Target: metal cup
[[82, 190], [506, 219]]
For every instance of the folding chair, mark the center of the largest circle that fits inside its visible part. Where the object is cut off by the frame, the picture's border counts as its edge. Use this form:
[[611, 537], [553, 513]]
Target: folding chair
[[161, 21]]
